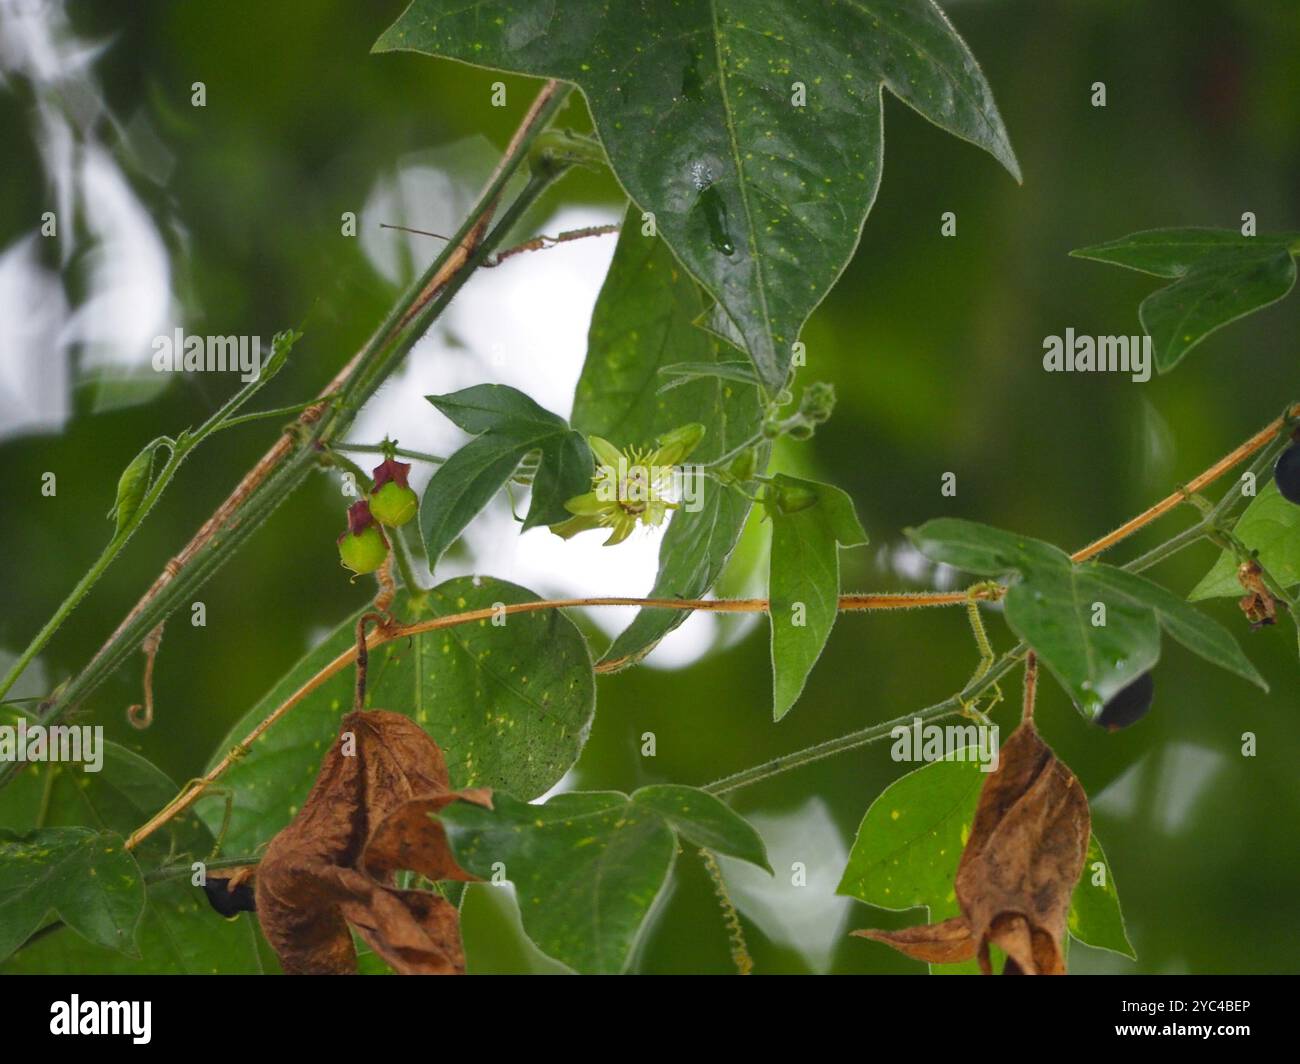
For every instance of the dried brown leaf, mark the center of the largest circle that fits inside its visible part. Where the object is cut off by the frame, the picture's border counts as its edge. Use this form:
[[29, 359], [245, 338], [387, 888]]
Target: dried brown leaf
[[365, 819], [949, 942], [1025, 853]]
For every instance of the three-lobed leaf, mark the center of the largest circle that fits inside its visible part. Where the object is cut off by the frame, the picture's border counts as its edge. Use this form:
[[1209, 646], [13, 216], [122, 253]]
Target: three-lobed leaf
[[810, 522], [506, 425], [1095, 627], [704, 820], [85, 877], [588, 867], [1219, 276], [751, 129]]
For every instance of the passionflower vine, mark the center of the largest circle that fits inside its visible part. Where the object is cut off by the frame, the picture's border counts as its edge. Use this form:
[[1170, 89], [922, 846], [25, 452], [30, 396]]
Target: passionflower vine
[[631, 486]]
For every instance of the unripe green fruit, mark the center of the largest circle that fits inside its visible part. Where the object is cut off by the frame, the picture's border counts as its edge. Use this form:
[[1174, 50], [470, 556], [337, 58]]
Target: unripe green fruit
[[364, 551], [394, 504], [1286, 473], [1129, 705]]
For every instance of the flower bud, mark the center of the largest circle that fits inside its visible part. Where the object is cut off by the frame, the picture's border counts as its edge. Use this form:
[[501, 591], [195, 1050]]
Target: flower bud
[[676, 446]]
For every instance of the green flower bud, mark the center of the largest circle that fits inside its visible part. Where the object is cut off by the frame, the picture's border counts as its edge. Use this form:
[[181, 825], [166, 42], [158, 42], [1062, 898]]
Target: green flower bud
[[817, 402], [676, 446]]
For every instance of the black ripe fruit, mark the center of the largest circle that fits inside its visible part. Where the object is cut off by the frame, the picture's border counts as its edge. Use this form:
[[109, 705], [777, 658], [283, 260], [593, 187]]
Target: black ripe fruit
[[1286, 473], [1129, 705], [229, 902]]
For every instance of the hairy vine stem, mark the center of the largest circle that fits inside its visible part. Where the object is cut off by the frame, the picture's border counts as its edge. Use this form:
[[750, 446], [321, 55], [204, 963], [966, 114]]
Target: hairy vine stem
[[287, 464], [387, 633]]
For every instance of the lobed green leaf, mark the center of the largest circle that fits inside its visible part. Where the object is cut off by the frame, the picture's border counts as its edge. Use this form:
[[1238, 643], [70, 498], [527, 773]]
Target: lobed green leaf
[[588, 868], [751, 129], [1219, 276], [1095, 627]]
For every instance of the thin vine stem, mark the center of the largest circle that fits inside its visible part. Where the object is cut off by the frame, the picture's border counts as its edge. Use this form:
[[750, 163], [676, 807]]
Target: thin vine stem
[[387, 633], [398, 452], [1233, 458]]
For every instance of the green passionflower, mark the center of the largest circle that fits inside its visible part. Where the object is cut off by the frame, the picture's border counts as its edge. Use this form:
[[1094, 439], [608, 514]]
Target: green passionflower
[[629, 487]]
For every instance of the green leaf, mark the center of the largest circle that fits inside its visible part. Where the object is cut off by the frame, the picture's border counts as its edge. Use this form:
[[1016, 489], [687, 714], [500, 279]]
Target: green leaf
[[1214, 293], [281, 344], [1095, 917], [1219, 276], [506, 425], [494, 938], [87, 878], [706, 821], [761, 199], [641, 323], [1057, 608], [810, 522], [1172, 252], [589, 867], [1269, 525], [119, 796], [1052, 608], [680, 373], [179, 933], [910, 842], [1199, 633], [510, 705]]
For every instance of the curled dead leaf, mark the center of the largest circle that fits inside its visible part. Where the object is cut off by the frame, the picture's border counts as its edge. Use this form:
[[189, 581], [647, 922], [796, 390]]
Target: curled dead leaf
[[949, 942], [366, 818], [1017, 873]]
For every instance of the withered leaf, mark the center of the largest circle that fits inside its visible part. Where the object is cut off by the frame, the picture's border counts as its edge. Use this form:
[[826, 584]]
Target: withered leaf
[[1018, 870], [1025, 854], [333, 866], [949, 942]]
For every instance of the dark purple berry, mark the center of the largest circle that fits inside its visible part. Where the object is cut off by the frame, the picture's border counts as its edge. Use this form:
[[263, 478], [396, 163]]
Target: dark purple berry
[[1286, 473], [1129, 705], [229, 902]]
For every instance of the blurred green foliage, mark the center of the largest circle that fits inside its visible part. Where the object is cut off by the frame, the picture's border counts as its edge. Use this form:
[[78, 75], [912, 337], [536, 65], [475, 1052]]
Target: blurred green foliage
[[932, 343]]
